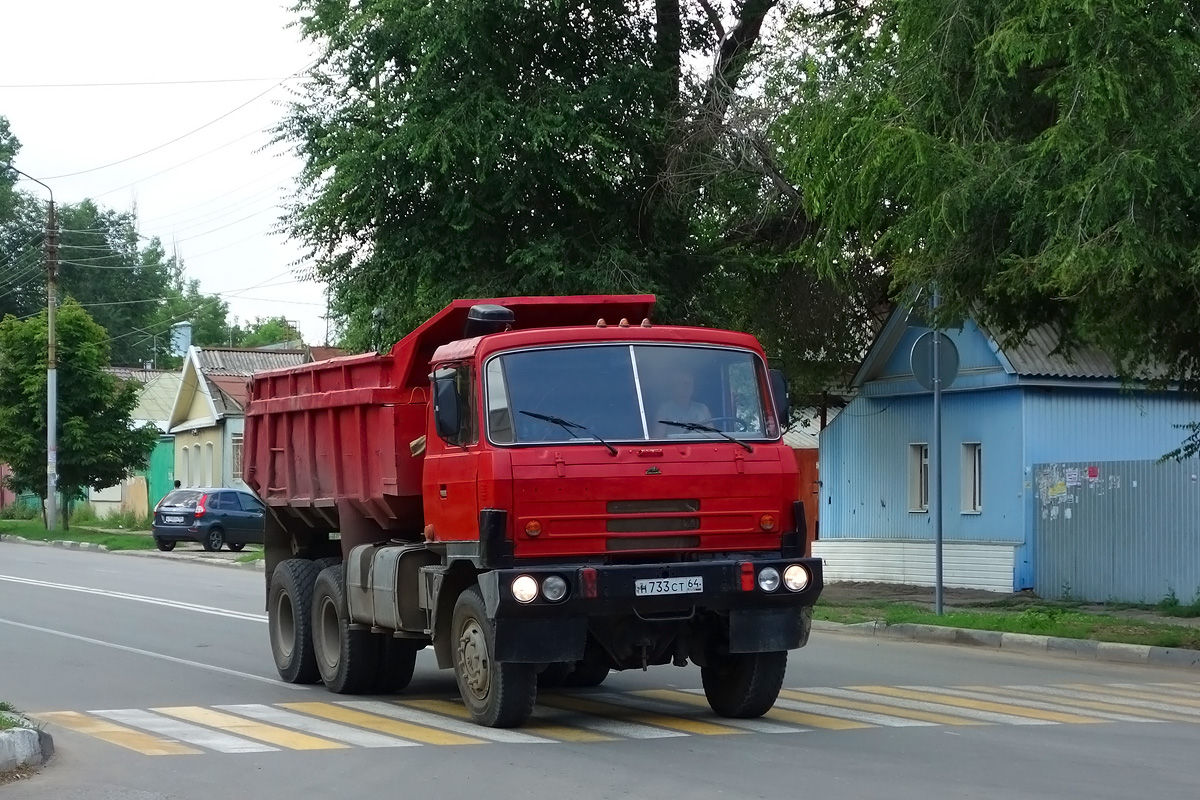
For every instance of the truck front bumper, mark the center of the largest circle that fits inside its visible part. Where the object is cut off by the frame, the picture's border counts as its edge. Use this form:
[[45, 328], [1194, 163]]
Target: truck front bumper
[[545, 631]]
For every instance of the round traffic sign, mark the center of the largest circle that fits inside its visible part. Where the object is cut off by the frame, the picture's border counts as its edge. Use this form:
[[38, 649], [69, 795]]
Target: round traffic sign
[[922, 360]]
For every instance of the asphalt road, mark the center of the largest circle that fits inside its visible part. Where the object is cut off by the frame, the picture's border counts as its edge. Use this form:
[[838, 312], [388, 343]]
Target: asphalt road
[[127, 656]]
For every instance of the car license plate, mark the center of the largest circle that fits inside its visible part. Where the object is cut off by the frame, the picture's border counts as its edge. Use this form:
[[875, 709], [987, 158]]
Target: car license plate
[[655, 586], [172, 520]]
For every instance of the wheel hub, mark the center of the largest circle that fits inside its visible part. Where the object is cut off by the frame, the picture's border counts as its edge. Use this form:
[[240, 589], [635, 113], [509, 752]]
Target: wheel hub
[[473, 656]]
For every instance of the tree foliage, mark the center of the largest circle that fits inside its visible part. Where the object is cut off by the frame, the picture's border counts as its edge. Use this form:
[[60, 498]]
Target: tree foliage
[[97, 443], [264, 331], [464, 149], [1035, 159]]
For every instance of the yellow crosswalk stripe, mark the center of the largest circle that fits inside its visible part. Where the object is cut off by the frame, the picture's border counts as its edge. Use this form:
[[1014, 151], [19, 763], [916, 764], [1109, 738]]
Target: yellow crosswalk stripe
[[668, 721], [538, 727], [979, 705], [119, 735], [250, 729], [776, 714], [1133, 694], [878, 708], [1093, 705], [374, 722]]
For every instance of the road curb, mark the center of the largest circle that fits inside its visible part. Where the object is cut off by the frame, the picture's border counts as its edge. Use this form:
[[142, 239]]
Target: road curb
[[24, 747], [259, 565], [98, 548], [1021, 643]]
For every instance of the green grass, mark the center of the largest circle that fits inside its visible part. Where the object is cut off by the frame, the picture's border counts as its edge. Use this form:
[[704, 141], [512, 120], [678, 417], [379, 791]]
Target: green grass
[[33, 529], [7, 721], [253, 555], [1038, 620]]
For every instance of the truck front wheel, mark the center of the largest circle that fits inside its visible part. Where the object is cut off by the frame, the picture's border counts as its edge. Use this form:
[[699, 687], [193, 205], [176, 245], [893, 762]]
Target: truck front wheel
[[347, 658], [289, 620], [744, 685], [498, 695]]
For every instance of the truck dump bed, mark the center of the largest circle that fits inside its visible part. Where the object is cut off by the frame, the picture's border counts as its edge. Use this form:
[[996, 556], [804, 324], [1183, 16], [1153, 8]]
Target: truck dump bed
[[339, 431]]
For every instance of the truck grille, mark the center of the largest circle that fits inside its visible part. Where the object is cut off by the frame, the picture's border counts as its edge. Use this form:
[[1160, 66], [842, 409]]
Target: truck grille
[[653, 506], [651, 524]]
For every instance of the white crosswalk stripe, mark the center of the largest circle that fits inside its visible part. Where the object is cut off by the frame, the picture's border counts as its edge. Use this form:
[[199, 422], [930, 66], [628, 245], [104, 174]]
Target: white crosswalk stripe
[[317, 727], [184, 731]]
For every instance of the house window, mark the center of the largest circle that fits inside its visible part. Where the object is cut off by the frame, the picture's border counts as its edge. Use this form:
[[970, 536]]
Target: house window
[[918, 477], [972, 482], [235, 447]]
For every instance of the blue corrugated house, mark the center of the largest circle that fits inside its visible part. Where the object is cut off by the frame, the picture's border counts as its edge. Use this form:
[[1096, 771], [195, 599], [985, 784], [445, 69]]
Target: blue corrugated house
[[1008, 410]]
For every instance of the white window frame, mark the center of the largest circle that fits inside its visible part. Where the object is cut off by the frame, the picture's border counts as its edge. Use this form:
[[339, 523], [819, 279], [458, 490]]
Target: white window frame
[[236, 442], [918, 478], [971, 485]]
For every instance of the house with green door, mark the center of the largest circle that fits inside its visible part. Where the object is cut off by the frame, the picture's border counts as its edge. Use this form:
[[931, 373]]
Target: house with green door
[[142, 490]]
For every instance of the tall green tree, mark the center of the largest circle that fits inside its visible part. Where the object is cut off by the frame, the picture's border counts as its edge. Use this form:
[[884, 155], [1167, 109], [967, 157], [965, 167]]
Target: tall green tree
[[98, 444], [265, 331], [1034, 159], [533, 147]]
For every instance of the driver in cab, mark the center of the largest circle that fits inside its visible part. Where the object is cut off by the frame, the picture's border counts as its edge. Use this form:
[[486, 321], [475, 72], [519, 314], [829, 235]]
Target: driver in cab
[[679, 405]]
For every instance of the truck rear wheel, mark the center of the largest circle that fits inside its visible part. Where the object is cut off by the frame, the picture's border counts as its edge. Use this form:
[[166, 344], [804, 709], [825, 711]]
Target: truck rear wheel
[[289, 620], [498, 695], [744, 685], [347, 659]]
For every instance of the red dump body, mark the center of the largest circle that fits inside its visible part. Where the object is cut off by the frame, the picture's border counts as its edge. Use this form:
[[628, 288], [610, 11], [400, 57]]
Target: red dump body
[[339, 431]]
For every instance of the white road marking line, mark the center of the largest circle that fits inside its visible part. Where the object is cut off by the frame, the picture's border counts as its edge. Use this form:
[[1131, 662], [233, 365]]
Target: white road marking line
[[139, 598], [1113, 699], [317, 727], [997, 695], [854, 715], [185, 731], [937, 708], [430, 720], [681, 710], [150, 654], [628, 730]]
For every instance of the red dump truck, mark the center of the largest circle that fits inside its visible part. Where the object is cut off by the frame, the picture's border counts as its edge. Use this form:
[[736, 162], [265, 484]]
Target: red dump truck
[[543, 489]]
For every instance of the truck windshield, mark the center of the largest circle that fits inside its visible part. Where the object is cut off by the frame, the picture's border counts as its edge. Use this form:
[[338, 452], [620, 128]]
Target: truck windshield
[[626, 393]]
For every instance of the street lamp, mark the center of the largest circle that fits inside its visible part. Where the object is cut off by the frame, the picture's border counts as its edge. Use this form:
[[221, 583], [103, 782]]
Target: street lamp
[[51, 357]]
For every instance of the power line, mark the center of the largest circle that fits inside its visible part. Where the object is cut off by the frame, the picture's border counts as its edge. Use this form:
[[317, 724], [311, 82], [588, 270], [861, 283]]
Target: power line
[[211, 122], [155, 221], [134, 83]]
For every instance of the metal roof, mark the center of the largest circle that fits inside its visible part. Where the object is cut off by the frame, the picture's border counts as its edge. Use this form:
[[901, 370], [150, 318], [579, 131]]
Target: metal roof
[[244, 363], [1036, 357]]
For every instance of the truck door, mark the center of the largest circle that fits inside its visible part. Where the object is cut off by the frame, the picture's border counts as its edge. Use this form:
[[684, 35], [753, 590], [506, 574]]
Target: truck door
[[452, 465]]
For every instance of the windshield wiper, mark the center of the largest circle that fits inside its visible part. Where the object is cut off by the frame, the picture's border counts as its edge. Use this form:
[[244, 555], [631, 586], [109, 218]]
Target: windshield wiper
[[568, 426], [697, 426]]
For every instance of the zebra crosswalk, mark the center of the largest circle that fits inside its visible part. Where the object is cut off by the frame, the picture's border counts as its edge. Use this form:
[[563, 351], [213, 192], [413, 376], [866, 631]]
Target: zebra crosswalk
[[602, 716]]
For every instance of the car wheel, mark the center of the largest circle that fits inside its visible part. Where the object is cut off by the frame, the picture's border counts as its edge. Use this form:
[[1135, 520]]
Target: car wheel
[[214, 539], [164, 545], [237, 548]]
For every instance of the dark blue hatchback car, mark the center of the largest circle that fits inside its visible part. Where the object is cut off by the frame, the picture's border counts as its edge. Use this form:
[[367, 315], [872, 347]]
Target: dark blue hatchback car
[[215, 518]]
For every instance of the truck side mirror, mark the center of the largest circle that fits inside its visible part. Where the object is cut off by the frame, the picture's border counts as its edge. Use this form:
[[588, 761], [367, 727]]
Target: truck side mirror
[[779, 389], [445, 405]]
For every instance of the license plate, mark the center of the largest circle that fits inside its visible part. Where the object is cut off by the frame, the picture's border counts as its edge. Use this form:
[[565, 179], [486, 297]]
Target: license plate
[[655, 586], [172, 520]]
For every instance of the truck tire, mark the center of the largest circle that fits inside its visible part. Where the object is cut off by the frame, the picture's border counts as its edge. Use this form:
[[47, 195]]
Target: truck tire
[[497, 694], [397, 661], [586, 675], [289, 620], [347, 658], [744, 685]]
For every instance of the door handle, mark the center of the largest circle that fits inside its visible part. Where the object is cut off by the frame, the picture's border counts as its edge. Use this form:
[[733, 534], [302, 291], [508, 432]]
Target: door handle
[[442, 491]]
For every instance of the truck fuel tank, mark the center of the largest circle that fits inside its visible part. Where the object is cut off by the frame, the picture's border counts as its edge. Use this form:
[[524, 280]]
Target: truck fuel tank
[[381, 583]]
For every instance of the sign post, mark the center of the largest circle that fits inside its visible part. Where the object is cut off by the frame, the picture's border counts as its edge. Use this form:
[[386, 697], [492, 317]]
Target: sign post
[[935, 365]]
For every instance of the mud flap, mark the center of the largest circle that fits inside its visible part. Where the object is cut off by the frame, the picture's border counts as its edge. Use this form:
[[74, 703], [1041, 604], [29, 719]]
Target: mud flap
[[540, 641], [768, 630]]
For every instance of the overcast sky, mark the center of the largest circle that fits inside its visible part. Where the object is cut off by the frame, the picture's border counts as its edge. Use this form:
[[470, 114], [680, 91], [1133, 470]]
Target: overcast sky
[[215, 192]]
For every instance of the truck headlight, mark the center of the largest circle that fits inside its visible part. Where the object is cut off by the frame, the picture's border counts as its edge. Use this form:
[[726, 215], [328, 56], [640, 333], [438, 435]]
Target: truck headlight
[[554, 588], [768, 579], [795, 578], [524, 589]]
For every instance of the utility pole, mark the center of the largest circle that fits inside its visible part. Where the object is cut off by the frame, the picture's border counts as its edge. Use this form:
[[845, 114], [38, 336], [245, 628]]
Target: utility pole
[[51, 357], [51, 369]]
